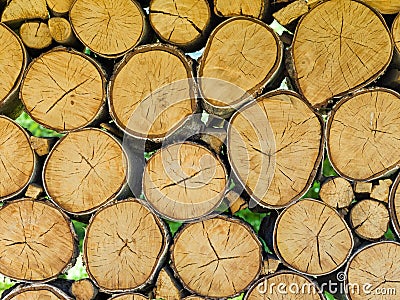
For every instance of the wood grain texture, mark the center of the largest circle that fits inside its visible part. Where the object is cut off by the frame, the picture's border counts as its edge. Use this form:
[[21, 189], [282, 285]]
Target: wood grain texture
[[312, 238], [64, 90], [135, 247], [362, 135], [35, 35], [39, 243], [339, 46], [114, 26], [266, 141], [85, 170], [251, 8], [36, 292], [217, 258], [184, 181]]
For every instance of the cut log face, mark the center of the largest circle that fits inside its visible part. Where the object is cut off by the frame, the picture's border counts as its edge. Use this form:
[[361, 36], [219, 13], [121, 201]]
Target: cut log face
[[166, 287], [114, 26], [394, 205], [337, 192], [252, 8], [312, 238], [35, 35], [384, 6], [339, 46], [137, 242], [37, 292], [61, 31], [184, 181], [369, 219], [193, 298], [38, 242], [152, 91], [63, 90], [182, 23], [59, 7], [266, 141], [84, 289], [216, 258], [17, 159], [291, 286], [363, 136], [20, 10], [85, 169], [13, 60], [130, 296], [374, 269], [242, 55]]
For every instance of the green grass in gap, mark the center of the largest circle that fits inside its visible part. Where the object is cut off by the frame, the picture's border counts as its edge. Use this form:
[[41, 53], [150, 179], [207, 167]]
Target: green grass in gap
[[34, 128]]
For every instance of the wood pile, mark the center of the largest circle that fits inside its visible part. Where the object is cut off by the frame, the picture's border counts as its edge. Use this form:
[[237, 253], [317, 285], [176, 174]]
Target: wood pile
[[211, 149]]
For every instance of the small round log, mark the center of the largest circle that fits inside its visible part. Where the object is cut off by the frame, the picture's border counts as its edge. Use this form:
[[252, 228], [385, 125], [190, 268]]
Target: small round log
[[312, 238], [35, 35], [339, 46], [38, 241], [167, 286], [13, 61], [18, 162], [61, 31], [369, 219], [364, 147], [252, 8], [109, 28], [124, 247], [85, 170], [64, 90], [59, 8], [337, 192], [36, 292], [232, 70], [373, 272], [216, 258], [152, 92], [266, 141], [284, 284], [84, 289], [183, 23], [184, 181]]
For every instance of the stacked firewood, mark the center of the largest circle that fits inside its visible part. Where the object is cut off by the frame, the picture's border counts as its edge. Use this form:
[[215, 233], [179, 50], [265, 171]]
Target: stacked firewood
[[195, 113]]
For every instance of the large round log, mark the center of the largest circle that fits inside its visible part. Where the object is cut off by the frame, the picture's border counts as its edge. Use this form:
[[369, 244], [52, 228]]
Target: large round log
[[184, 181], [251, 8], [216, 258], [374, 272], [124, 247], [109, 28], [152, 91], [64, 90], [129, 296], [339, 46], [312, 238], [241, 57], [13, 61], [85, 170], [267, 139], [36, 292], [284, 284], [384, 6], [183, 23], [18, 162], [363, 135], [38, 241]]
